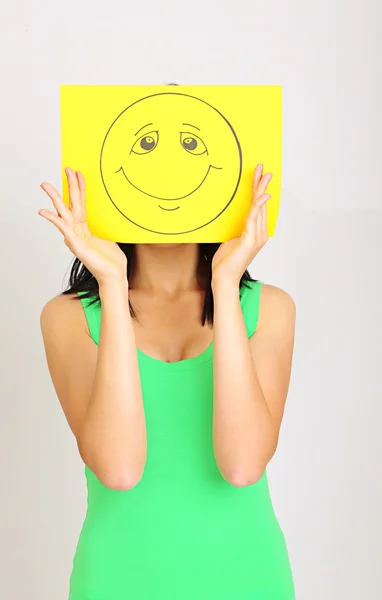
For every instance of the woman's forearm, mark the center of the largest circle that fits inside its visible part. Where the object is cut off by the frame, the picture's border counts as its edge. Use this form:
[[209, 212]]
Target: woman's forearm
[[244, 436], [113, 436]]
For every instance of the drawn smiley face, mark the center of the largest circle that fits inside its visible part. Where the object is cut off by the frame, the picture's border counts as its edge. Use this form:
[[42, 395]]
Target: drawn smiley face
[[171, 163]]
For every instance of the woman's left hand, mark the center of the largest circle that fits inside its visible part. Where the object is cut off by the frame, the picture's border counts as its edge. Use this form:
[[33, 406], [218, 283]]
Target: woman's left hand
[[232, 258]]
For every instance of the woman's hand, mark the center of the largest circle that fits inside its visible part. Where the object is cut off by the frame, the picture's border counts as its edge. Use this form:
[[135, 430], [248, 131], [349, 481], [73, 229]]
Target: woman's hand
[[103, 258], [233, 257]]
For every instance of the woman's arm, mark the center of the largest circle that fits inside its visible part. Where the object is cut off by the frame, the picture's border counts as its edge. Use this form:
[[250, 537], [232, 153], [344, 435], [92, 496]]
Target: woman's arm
[[99, 388], [251, 380]]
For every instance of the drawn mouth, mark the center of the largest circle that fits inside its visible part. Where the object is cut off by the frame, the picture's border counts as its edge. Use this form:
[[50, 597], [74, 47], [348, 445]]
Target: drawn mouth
[[168, 209], [168, 199]]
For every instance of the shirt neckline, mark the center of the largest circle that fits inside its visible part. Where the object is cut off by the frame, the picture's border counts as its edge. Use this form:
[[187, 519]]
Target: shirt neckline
[[186, 363]]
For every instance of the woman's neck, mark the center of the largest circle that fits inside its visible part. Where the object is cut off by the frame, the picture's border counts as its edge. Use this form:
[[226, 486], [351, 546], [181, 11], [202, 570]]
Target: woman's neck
[[167, 268]]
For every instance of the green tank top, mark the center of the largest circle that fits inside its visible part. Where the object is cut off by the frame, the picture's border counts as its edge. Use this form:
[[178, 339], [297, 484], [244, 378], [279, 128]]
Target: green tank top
[[183, 532]]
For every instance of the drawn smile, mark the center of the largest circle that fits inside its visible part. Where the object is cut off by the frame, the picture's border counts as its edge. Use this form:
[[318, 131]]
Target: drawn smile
[[168, 209], [168, 199]]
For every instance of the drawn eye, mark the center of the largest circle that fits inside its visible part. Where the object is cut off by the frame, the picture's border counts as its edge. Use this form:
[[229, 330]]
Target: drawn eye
[[192, 143], [146, 143]]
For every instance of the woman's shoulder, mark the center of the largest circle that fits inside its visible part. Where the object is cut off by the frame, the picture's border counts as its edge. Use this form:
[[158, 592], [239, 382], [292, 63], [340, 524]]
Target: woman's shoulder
[[263, 303], [267, 292], [277, 295], [60, 311], [60, 302], [276, 305]]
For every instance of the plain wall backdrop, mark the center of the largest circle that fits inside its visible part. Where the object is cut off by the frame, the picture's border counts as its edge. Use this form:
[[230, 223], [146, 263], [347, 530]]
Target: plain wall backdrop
[[325, 477]]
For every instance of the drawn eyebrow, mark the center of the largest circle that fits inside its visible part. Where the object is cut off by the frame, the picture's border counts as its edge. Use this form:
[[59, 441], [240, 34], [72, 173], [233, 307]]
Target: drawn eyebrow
[[142, 128], [189, 124]]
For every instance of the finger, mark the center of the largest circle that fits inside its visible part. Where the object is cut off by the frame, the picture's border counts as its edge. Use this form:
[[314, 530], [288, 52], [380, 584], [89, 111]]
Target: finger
[[58, 203], [60, 223], [252, 218], [261, 199], [259, 224], [255, 207], [263, 233], [256, 178], [259, 210], [265, 218], [249, 229], [82, 188], [262, 187], [74, 195]]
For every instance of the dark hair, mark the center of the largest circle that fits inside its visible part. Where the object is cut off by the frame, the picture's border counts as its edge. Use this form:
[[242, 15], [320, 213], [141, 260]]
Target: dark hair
[[81, 279]]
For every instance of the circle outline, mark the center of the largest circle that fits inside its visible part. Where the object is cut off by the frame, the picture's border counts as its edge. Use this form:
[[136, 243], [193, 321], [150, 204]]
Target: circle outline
[[238, 146]]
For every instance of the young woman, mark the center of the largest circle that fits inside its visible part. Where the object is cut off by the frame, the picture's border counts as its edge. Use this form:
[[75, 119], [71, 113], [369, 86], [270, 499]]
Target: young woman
[[172, 368]]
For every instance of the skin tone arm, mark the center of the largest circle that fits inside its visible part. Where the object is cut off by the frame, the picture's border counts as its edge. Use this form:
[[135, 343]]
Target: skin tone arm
[[99, 391], [251, 377]]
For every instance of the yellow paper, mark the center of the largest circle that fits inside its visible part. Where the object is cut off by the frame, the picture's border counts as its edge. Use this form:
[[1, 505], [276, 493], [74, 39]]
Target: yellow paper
[[169, 164]]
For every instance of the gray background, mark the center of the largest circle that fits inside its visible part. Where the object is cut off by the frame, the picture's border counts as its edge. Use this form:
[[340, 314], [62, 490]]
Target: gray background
[[325, 477]]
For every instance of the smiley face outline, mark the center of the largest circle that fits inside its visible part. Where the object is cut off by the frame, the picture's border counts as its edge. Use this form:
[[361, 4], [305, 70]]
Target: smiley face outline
[[239, 174]]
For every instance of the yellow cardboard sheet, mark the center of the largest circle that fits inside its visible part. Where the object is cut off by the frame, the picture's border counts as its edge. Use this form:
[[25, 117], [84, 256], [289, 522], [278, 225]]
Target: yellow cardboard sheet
[[169, 164]]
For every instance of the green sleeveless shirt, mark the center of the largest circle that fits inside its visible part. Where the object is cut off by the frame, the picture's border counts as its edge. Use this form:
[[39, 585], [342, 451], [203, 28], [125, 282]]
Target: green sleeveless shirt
[[183, 532]]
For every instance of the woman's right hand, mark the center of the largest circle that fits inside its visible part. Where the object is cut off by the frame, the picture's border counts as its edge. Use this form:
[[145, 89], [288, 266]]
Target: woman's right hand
[[103, 258]]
